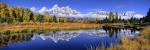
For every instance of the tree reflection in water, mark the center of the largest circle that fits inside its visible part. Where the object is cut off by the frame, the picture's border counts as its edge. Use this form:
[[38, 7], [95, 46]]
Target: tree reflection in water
[[11, 37]]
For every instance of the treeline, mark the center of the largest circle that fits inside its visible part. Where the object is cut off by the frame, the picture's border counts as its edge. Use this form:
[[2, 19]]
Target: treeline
[[115, 18], [10, 14], [14, 14], [55, 19]]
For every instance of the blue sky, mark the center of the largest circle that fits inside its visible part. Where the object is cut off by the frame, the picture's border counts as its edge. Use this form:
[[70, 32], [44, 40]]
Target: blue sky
[[139, 6]]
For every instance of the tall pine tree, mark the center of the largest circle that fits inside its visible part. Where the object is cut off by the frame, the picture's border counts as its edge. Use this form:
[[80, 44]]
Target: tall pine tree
[[146, 19]]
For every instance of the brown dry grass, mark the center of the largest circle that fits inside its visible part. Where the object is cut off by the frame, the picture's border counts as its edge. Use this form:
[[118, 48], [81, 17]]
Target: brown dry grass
[[140, 43], [57, 26]]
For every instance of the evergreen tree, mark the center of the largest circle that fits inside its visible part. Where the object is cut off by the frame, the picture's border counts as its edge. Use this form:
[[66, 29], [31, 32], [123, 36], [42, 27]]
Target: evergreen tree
[[39, 18], [111, 17], [147, 18], [54, 19]]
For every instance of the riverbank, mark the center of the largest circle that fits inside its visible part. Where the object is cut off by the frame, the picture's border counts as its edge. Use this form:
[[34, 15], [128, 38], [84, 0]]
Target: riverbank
[[49, 26], [139, 43], [124, 25]]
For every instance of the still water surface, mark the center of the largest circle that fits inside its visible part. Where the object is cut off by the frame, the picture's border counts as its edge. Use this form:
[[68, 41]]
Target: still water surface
[[66, 39]]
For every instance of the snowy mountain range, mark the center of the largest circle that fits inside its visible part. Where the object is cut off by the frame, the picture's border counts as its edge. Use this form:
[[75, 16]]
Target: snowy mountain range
[[72, 13]]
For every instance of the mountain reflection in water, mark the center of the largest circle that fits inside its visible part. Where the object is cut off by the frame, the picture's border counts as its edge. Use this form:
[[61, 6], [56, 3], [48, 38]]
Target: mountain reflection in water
[[64, 40]]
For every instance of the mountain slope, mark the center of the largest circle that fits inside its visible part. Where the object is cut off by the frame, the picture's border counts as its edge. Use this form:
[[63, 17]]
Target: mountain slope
[[72, 13]]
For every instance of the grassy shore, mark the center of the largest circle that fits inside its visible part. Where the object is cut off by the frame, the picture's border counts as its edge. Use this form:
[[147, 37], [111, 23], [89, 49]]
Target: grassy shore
[[49, 26], [142, 42]]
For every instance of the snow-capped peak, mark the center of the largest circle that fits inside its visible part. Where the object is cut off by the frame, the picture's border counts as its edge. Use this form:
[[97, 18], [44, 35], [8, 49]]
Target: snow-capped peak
[[43, 11], [129, 14], [69, 12], [62, 10]]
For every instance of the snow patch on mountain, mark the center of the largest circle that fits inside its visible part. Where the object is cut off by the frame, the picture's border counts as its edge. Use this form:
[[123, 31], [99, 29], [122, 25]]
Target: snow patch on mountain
[[130, 14], [72, 13]]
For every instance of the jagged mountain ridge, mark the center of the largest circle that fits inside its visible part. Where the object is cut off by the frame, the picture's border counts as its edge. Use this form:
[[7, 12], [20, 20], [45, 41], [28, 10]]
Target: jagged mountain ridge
[[72, 13]]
